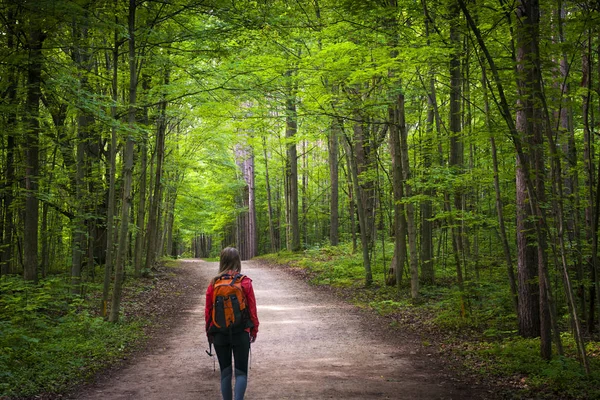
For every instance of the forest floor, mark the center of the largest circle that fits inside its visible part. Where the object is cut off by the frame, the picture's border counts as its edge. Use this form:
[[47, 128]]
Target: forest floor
[[311, 345]]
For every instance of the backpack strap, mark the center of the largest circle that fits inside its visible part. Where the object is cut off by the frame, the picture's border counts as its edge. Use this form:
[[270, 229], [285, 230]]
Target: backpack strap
[[236, 277]]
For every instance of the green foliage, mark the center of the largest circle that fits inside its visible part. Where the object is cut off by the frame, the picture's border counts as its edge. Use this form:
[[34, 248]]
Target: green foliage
[[329, 265], [479, 322], [483, 306], [50, 340], [562, 376]]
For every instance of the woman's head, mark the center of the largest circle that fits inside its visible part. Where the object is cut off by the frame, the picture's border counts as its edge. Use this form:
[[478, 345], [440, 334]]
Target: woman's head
[[230, 260]]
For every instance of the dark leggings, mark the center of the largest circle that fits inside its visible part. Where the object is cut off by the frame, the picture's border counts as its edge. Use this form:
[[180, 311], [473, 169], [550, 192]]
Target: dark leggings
[[238, 345]]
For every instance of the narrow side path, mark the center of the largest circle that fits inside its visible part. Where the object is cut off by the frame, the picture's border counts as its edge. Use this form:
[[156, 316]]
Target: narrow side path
[[310, 346]]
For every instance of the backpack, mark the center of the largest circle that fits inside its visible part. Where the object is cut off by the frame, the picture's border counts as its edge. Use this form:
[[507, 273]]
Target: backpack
[[229, 313]]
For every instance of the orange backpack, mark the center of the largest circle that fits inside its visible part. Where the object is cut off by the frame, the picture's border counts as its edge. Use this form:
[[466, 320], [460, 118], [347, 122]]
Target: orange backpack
[[229, 313]]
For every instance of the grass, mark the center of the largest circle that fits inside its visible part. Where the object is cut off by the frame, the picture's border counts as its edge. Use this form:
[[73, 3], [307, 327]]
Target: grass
[[476, 326], [51, 340]]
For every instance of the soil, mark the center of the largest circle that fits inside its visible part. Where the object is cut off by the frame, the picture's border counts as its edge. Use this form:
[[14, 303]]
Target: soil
[[311, 345]]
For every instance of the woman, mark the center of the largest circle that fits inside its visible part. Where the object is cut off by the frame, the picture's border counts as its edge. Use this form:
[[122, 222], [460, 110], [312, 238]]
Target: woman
[[236, 343]]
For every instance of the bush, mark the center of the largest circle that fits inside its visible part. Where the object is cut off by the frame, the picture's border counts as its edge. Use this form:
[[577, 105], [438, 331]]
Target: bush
[[50, 340]]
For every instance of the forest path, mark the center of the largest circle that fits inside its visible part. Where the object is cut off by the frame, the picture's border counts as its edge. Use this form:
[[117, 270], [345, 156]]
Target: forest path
[[310, 345]]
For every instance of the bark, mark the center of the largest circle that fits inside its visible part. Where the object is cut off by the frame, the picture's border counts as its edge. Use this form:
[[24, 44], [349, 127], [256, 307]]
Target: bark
[[596, 267], [528, 77], [361, 208], [33, 94], [410, 211], [433, 118], [138, 251], [499, 205], [246, 227], [272, 241], [291, 128], [427, 267], [152, 230], [590, 232], [305, 193], [6, 261], [110, 230], [399, 257], [351, 202], [456, 145], [81, 58], [127, 171], [333, 152]]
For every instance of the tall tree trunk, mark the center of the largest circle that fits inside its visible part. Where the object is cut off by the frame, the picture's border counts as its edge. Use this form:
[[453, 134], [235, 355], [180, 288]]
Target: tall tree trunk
[[410, 208], [531, 127], [596, 265], [138, 251], [6, 262], [427, 267], [592, 176], [333, 141], [127, 171], [526, 171], [305, 193], [362, 210], [291, 128], [110, 229], [247, 237], [152, 230], [81, 58], [456, 144], [499, 205], [32, 108], [351, 201], [79, 234], [433, 119], [273, 243], [399, 257]]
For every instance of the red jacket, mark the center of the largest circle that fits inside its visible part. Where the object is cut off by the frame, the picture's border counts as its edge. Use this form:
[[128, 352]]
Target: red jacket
[[250, 303]]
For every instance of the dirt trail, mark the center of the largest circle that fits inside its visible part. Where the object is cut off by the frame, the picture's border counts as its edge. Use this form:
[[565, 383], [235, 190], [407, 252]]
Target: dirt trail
[[310, 346]]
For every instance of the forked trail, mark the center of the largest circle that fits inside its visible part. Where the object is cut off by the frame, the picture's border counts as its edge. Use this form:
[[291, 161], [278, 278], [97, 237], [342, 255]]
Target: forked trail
[[310, 346]]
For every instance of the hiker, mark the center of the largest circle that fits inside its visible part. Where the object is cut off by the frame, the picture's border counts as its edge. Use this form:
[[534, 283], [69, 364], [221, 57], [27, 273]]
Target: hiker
[[229, 334]]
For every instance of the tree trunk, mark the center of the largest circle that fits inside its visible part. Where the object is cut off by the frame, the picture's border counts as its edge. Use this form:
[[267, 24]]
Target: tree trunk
[[32, 135], [138, 251], [6, 262], [499, 206], [526, 171], [399, 257], [427, 267], [410, 208], [333, 141], [127, 171], [362, 210], [81, 59], [305, 193], [531, 127], [291, 128], [456, 145], [351, 202], [274, 245], [152, 230], [247, 237], [110, 230]]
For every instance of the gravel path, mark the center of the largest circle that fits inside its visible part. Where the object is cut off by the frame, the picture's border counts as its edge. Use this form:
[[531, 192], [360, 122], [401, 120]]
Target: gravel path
[[310, 346]]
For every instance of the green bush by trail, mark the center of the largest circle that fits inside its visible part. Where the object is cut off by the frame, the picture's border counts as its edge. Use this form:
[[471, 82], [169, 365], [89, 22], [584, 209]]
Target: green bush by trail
[[476, 324], [50, 340]]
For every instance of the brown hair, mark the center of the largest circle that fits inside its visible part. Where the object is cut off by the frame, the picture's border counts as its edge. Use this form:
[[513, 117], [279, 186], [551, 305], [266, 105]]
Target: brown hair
[[229, 261]]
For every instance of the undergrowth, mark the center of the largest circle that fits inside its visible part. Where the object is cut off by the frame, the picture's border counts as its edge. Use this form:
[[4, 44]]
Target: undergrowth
[[52, 340], [476, 325]]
